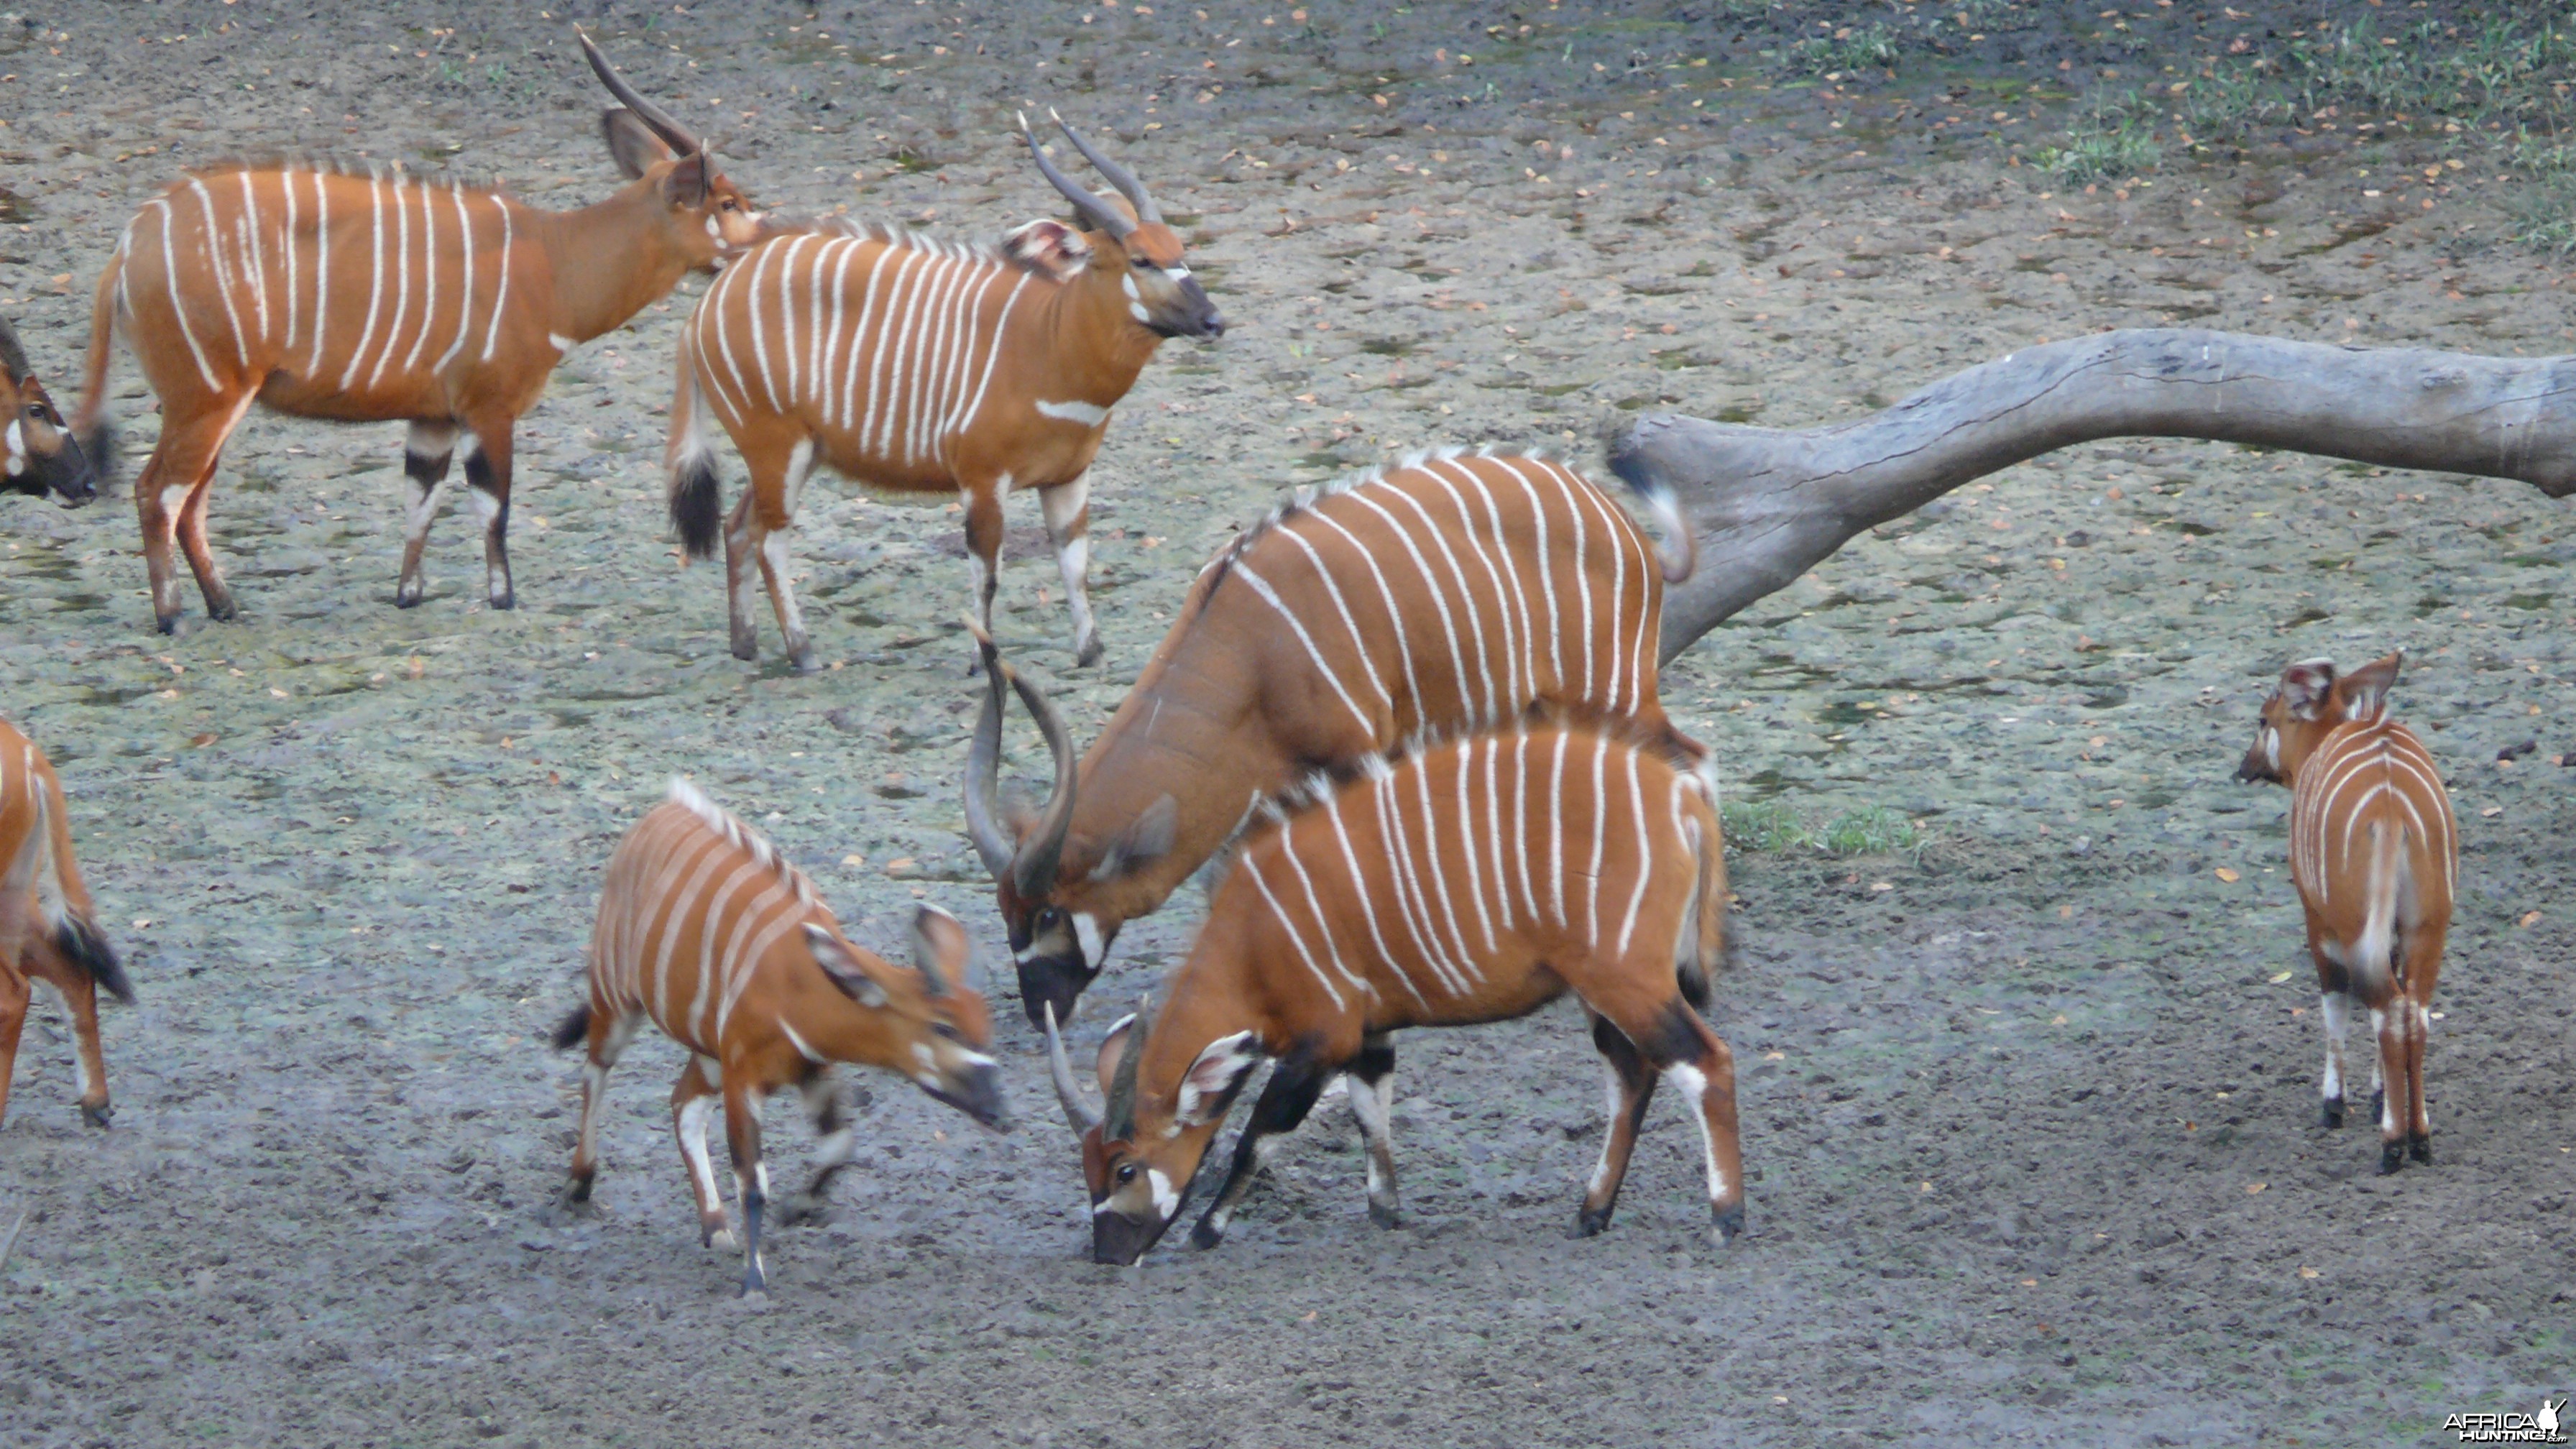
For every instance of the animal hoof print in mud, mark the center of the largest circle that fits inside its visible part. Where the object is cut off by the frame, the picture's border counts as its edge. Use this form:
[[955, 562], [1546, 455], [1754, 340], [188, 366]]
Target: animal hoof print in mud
[[2420, 1147], [100, 1115], [2392, 1156], [2331, 1114]]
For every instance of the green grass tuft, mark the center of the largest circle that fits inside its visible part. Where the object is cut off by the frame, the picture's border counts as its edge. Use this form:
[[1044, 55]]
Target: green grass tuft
[[1770, 827], [1854, 47]]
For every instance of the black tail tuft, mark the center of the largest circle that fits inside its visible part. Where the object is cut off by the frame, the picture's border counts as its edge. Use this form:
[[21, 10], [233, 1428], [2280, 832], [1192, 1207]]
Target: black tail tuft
[[574, 1027], [1694, 984], [98, 445], [81, 943], [697, 506]]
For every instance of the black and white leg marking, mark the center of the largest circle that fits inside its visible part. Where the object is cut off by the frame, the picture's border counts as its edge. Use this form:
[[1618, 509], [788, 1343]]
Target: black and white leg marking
[[836, 1140], [1372, 1097], [426, 454], [1285, 1100], [1065, 507]]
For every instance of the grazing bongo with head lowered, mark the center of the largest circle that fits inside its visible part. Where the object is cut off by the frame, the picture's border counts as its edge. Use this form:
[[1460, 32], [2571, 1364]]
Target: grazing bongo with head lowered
[[2375, 852], [1472, 883], [376, 297], [38, 454], [47, 932], [704, 928], [924, 366], [1454, 591]]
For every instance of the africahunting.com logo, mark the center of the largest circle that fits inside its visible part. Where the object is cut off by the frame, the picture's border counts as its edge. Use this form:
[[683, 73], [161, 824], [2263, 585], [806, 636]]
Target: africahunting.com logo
[[2511, 1428]]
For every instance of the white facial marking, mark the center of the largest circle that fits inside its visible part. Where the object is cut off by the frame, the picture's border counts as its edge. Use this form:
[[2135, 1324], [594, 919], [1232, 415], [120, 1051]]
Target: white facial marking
[[1177, 274], [2272, 749], [1089, 415], [1166, 1201], [713, 230], [1129, 283], [1137, 311], [17, 438], [1086, 934]]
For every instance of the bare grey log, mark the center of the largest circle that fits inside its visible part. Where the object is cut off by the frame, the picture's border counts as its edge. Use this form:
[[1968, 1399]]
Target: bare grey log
[[1767, 504]]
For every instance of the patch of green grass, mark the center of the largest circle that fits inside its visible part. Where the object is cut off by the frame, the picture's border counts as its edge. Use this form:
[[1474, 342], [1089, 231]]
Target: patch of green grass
[[1853, 47], [2112, 138], [1769, 827]]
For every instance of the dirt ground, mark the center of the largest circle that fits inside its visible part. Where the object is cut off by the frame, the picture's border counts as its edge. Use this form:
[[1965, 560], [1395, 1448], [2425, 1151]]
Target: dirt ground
[[2027, 1117]]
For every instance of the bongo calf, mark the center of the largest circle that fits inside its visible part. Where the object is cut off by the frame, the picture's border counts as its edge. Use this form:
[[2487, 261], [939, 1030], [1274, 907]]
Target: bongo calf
[[2375, 852], [706, 929], [47, 930]]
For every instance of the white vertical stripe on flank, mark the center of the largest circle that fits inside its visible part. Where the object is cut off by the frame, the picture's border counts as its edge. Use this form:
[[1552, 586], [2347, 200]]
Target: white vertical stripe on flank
[[294, 245], [402, 282], [254, 253], [1252, 871], [1431, 586], [962, 330], [744, 951], [429, 276], [1467, 600], [829, 353], [376, 286], [321, 266], [926, 360], [1262, 588], [1439, 877], [1546, 568], [1582, 570], [759, 334], [1408, 890], [814, 326], [1581, 489], [1368, 666], [214, 244], [719, 911], [178, 309], [901, 288], [1368, 905], [718, 310], [1556, 827], [465, 289], [665, 943], [1515, 694], [1323, 921], [1600, 817], [993, 344], [865, 348], [1394, 618], [500, 293], [1467, 842], [1494, 815], [1511, 571], [1645, 852], [972, 335], [788, 273], [1520, 816]]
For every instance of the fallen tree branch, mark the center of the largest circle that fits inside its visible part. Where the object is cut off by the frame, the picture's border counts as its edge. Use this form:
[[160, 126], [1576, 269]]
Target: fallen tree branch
[[1767, 504]]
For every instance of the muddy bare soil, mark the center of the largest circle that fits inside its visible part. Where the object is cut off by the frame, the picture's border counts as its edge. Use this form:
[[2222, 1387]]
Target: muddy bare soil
[[2027, 1116]]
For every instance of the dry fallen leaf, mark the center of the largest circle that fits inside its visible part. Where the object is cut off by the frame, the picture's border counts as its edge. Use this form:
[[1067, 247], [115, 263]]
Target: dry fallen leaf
[[2531, 918], [900, 862], [2254, 1187], [199, 742], [854, 860], [2492, 811], [2228, 876], [2307, 1272], [2283, 976]]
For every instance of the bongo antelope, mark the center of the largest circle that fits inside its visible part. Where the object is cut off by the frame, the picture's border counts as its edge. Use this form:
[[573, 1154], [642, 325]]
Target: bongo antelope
[[1471, 883], [923, 366], [1454, 591], [331, 294], [48, 931], [38, 453], [2375, 852], [704, 928]]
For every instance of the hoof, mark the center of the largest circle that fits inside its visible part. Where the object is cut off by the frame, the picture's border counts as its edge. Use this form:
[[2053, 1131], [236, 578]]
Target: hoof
[[2392, 1156], [1206, 1235], [746, 650], [718, 1239], [803, 1211], [1728, 1225], [1384, 1215], [753, 1282], [1592, 1222], [2379, 1105], [574, 1201], [97, 1114], [2331, 1114], [2420, 1147], [804, 660], [166, 623], [1087, 654]]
